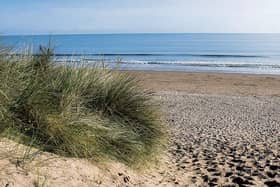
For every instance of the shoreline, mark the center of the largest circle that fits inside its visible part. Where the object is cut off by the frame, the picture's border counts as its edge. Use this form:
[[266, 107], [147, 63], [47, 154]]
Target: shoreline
[[209, 83], [203, 72]]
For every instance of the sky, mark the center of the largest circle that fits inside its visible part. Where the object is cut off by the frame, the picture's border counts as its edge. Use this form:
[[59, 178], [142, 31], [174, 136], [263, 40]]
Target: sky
[[139, 16]]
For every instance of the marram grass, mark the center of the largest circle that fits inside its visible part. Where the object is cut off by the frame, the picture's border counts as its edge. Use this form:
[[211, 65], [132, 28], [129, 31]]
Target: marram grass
[[77, 111]]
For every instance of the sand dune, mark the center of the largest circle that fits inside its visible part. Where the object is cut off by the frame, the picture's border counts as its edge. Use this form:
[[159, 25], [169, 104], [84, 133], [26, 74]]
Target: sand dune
[[224, 131]]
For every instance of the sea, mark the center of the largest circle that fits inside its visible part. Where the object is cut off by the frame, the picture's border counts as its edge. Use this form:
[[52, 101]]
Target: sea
[[217, 53]]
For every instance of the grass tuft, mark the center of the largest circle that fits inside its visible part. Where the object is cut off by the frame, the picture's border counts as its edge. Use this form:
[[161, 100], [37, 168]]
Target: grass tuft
[[77, 111]]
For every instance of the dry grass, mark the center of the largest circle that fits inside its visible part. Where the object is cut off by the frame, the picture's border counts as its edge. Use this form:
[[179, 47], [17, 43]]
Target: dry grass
[[77, 111]]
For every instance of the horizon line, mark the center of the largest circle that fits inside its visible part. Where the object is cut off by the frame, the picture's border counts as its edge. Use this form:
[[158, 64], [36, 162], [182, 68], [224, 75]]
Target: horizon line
[[131, 33]]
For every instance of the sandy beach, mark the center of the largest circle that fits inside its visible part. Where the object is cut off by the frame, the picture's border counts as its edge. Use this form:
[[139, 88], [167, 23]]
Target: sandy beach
[[225, 127], [224, 131], [210, 83], [224, 140], [161, 93]]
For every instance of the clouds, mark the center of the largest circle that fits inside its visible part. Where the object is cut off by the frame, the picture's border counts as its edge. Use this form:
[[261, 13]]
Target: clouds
[[110, 16]]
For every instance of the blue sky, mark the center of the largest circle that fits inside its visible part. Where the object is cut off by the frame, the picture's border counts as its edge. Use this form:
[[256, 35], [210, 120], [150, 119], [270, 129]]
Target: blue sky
[[138, 16]]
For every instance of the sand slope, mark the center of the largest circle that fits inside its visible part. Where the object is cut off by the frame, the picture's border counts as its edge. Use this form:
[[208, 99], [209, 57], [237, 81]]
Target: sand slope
[[54, 171]]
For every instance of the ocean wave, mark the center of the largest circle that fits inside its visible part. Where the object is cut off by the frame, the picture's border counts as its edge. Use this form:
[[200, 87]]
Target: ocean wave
[[212, 64], [229, 65], [160, 54]]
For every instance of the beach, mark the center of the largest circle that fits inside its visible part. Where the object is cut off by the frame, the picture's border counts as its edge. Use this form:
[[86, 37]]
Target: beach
[[223, 131], [223, 140], [140, 93], [210, 83], [225, 127]]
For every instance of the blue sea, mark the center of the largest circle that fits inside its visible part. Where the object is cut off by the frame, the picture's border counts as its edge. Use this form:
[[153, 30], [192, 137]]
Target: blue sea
[[220, 53]]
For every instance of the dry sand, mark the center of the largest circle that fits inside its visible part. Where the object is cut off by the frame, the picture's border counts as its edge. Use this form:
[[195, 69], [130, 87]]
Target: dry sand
[[210, 83], [224, 140], [224, 131]]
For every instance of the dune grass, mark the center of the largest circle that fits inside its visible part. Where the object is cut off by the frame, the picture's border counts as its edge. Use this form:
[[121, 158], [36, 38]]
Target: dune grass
[[77, 111]]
